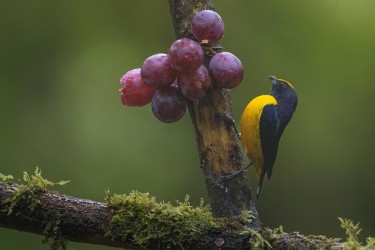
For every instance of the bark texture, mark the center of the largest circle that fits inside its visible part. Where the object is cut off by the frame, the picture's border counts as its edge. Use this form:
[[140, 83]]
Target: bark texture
[[78, 219], [216, 134]]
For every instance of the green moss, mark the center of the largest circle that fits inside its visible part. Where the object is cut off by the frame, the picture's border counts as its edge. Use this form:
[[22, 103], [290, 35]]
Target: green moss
[[277, 239], [26, 192], [352, 231], [246, 217], [142, 220], [258, 241], [25, 200], [36, 183], [370, 242], [5, 178], [53, 235]]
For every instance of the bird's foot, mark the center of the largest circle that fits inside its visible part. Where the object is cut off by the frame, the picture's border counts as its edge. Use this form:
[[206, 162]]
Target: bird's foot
[[231, 176]]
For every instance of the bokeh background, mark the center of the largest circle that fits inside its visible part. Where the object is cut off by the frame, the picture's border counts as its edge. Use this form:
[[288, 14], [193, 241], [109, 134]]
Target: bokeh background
[[60, 64]]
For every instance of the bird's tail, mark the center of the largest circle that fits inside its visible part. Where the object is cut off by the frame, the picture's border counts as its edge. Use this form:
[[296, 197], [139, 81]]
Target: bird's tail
[[260, 183]]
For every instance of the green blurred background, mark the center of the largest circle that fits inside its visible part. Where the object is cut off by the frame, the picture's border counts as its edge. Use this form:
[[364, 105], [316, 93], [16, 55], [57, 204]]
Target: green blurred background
[[60, 64]]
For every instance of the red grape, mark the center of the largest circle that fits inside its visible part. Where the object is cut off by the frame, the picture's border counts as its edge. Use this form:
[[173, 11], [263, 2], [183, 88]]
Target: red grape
[[157, 72], [226, 70], [135, 92], [207, 27], [168, 105], [185, 55], [194, 85]]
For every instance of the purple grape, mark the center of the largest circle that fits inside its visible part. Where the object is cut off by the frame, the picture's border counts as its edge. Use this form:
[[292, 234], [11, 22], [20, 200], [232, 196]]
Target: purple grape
[[168, 105], [156, 71], [185, 55], [226, 70], [207, 27], [135, 92], [194, 85]]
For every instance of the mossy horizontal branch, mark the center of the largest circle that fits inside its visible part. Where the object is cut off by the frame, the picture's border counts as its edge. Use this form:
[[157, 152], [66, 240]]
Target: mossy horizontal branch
[[138, 221], [134, 221]]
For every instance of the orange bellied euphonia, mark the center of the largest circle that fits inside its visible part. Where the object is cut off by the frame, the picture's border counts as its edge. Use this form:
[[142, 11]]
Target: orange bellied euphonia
[[263, 123]]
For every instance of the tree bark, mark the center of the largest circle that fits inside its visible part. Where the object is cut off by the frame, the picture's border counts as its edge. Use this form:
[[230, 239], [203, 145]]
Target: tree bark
[[82, 219], [216, 135]]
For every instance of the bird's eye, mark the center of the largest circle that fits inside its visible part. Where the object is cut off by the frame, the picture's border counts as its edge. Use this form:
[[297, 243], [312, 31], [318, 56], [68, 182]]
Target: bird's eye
[[284, 84]]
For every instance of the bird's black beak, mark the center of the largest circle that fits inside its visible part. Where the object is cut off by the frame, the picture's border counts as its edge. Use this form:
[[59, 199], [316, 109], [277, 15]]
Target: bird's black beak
[[273, 80]]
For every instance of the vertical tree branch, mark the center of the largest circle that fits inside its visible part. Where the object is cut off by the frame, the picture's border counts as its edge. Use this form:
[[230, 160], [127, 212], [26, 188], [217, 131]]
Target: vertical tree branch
[[216, 135]]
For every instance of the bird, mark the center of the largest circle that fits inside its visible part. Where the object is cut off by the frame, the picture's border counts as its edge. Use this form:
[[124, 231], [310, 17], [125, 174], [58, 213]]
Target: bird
[[262, 124]]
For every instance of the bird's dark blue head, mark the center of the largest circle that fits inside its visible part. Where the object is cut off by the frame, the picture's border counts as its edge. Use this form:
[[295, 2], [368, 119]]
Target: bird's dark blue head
[[286, 98], [282, 89]]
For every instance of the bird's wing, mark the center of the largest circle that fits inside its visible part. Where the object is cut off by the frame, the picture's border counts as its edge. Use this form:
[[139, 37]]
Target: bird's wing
[[268, 128]]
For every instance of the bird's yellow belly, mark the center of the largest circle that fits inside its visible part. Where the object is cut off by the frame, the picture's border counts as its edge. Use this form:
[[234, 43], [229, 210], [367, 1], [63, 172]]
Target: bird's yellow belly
[[250, 133]]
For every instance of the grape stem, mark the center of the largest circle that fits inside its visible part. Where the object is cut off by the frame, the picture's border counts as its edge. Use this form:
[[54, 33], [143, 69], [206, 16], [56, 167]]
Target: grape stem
[[211, 50], [217, 139]]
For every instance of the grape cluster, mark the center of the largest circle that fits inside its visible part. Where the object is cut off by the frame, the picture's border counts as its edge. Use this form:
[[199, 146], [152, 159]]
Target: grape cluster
[[168, 81]]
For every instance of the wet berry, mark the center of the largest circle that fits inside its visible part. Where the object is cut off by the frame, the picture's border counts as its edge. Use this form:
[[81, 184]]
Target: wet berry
[[185, 55], [226, 70], [207, 27], [194, 85], [157, 72], [135, 92], [168, 105]]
